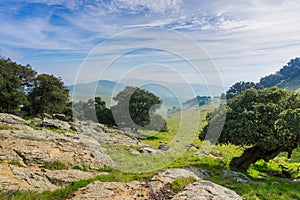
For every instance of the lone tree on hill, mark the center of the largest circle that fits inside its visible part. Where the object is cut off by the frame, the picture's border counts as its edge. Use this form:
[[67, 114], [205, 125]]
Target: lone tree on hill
[[266, 121], [136, 107]]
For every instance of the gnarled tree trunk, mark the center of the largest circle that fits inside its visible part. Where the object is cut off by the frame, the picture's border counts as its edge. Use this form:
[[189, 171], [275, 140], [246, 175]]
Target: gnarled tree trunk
[[252, 155]]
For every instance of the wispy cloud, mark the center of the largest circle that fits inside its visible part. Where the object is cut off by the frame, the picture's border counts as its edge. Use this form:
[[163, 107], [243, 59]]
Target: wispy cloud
[[249, 37]]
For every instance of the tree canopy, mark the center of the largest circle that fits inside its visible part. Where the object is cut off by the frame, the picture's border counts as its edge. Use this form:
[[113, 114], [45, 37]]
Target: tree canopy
[[15, 81], [289, 71], [266, 121], [135, 107], [241, 86], [49, 95]]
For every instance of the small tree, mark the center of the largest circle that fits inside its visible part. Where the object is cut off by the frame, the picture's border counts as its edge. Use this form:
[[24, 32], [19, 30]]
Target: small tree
[[266, 121], [49, 95], [135, 107], [104, 114]]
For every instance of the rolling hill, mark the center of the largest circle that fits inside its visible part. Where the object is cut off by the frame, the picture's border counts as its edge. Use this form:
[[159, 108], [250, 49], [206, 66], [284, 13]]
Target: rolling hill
[[287, 77]]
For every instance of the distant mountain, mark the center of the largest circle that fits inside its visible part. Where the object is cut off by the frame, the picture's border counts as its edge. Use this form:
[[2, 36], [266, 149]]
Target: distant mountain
[[287, 77], [96, 87], [172, 94]]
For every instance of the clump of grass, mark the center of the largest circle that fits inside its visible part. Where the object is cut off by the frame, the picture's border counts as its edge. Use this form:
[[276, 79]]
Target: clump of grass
[[6, 127], [181, 183], [55, 165], [14, 162], [81, 167], [105, 169]]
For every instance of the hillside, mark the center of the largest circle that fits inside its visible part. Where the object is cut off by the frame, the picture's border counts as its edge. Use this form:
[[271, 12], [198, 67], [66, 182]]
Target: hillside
[[287, 77], [172, 94]]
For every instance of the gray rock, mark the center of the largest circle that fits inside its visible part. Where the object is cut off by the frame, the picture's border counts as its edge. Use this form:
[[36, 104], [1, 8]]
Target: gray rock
[[11, 119], [66, 177], [237, 176], [164, 147], [33, 178], [158, 188], [134, 152], [204, 190], [148, 150], [201, 173], [55, 123]]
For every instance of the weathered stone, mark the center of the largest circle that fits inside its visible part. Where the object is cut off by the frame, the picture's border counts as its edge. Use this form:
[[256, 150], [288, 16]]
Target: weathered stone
[[163, 147], [113, 191], [206, 190], [55, 123], [201, 173], [148, 150], [11, 119], [66, 177], [237, 176], [158, 188], [134, 152]]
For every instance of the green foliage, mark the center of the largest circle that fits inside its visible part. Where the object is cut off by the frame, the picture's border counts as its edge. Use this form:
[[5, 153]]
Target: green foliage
[[55, 165], [14, 162], [49, 95], [81, 167], [105, 169], [265, 119], [181, 182], [14, 81], [289, 72], [6, 127], [104, 114], [135, 108], [241, 86], [94, 110]]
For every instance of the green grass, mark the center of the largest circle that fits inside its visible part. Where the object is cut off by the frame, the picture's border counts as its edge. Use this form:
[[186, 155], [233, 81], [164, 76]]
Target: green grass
[[14, 162], [181, 182], [6, 127], [55, 165]]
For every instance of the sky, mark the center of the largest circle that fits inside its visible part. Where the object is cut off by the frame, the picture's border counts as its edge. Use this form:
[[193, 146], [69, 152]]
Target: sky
[[82, 40]]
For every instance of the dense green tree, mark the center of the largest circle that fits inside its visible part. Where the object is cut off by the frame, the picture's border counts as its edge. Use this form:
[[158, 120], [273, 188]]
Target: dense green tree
[[104, 114], [85, 110], [266, 122], [49, 95], [241, 86], [135, 107], [15, 80]]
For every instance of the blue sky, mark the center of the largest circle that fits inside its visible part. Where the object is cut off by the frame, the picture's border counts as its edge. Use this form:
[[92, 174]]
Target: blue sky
[[244, 39]]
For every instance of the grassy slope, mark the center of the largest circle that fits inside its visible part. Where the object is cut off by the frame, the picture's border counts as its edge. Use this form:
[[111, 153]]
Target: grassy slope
[[219, 158]]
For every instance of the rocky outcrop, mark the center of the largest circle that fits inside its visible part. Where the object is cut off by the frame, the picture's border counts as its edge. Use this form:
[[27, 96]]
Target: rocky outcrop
[[37, 179], [204, 190], [14, 122], [158, 188], [37, 147]]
